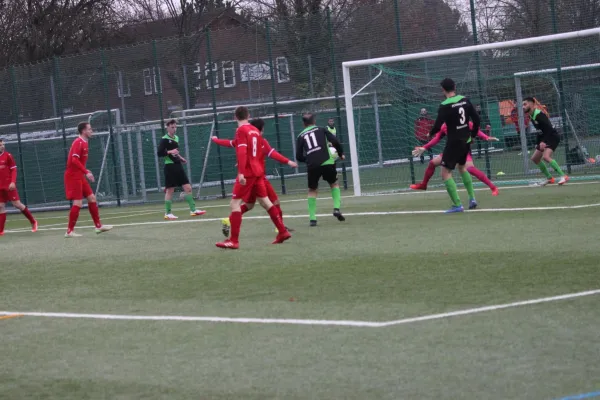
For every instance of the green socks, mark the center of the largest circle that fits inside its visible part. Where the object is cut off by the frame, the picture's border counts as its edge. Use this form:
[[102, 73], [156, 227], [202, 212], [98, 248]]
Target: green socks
[[556, 167], [168, 204], [190, 200], [452, 192], [337, 197], [544, 169], [312, 208], [468, 182]]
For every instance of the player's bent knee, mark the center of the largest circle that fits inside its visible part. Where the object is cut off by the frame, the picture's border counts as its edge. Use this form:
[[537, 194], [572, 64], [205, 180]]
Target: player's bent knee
[[78, 203], [265, 202], [187, 188], [91, 199], [250, 206], [2, 208], [17, 204]]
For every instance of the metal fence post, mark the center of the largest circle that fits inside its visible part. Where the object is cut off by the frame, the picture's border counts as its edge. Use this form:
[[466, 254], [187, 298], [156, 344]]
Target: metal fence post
[[110, 129], [403, 85], [335, 90], [482, 104], [274, 96], [17, 111], [561, 93], [214, 107], [61, 109]]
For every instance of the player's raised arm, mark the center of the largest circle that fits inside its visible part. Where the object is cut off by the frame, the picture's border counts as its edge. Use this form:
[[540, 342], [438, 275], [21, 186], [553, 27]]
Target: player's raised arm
[[274, 154], [439, 121], [331, 138], [223, 142]]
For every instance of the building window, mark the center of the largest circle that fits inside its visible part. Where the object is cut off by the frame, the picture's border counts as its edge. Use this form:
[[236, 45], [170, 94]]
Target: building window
[[214, 71], [151, 84], [283, 70], [198, 73], [228, 73], [255, 71], [126, 91]]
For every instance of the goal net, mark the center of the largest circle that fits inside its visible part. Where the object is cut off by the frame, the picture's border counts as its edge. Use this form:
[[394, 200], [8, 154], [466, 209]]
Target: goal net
[[404, 94], [44, 145]]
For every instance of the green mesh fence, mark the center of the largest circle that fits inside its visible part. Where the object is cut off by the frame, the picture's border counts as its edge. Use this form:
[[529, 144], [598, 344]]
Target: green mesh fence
[[282, 66]]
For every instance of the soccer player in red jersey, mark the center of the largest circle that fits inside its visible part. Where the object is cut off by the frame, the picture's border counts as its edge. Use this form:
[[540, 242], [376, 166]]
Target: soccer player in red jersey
[[76, 186], [8, 189], [268, 151], [250, 181]]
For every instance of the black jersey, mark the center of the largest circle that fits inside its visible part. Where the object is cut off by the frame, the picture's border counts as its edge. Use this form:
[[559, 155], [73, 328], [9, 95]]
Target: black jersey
[[312, 146], [168, 143], [542, 123], [456, 112]]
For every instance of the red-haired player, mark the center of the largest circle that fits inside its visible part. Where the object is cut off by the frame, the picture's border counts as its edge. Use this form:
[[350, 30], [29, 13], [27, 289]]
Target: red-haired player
[[268, 151], [250, 182], [76, 186], [8, 189]]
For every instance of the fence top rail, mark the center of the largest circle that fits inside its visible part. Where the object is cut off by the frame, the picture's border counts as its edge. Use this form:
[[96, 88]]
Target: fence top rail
[[552, 70], [250, 105], [470, 49]]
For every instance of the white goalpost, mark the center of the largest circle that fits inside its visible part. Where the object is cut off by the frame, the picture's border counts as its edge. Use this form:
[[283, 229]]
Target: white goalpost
[[486, 73]]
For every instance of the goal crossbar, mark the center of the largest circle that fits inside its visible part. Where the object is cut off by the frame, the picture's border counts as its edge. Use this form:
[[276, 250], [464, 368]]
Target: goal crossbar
[[348, 95]]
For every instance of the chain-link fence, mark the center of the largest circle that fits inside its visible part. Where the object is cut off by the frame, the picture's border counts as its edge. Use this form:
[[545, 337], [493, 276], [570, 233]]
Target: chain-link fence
[[280, 67]]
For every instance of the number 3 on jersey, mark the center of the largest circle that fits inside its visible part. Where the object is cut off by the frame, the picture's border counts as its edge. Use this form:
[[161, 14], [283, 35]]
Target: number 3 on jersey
[[463, 116], [314, 140]]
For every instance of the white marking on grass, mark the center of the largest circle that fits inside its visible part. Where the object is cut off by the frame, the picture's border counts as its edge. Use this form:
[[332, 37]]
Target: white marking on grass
[[358, 214], [321, 322]]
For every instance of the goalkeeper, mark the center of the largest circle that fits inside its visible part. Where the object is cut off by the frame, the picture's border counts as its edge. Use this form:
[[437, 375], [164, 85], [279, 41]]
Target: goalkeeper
[[547, 140], [437, 161]]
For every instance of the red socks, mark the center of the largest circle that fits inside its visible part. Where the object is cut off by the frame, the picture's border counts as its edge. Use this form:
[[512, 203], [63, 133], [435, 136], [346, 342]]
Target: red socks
[[481, 176], [244, 208], [2, 222], [428, 173], [28, 215], [73, 216], [275, 215], [279, 208], [93, 208], [235, 219]]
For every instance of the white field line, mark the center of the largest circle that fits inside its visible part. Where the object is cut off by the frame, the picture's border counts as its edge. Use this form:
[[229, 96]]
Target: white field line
[[285, 321], [132, 213], [150, 212], [358, 214]]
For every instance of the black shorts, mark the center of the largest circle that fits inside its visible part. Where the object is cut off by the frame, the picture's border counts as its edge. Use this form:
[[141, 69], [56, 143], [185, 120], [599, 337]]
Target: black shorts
[[551, 141], [456, 153], [175, 176], [328, 172]]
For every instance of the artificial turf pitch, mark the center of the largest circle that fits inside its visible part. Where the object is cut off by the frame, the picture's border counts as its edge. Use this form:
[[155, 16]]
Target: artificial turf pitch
[[393, 259]]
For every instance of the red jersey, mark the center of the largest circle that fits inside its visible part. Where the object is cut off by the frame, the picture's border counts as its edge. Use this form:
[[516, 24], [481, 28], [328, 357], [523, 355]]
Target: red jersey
[[268, 151], [249, 151], [8, 170], [78, 156]]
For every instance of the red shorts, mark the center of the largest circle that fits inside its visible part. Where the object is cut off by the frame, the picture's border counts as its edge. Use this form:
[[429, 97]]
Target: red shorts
[[77, 188], [8, 195], [271, 194], [253, 189]]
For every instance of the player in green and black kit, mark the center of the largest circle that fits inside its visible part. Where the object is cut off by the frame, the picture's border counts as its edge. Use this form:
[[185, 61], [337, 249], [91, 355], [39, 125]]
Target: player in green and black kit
[[312, 147], [455, 112], [174, 174], [547, 140]]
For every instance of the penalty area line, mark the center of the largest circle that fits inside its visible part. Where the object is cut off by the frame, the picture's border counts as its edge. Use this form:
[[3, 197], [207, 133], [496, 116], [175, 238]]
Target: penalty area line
[[313, 322], [357, 214]]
